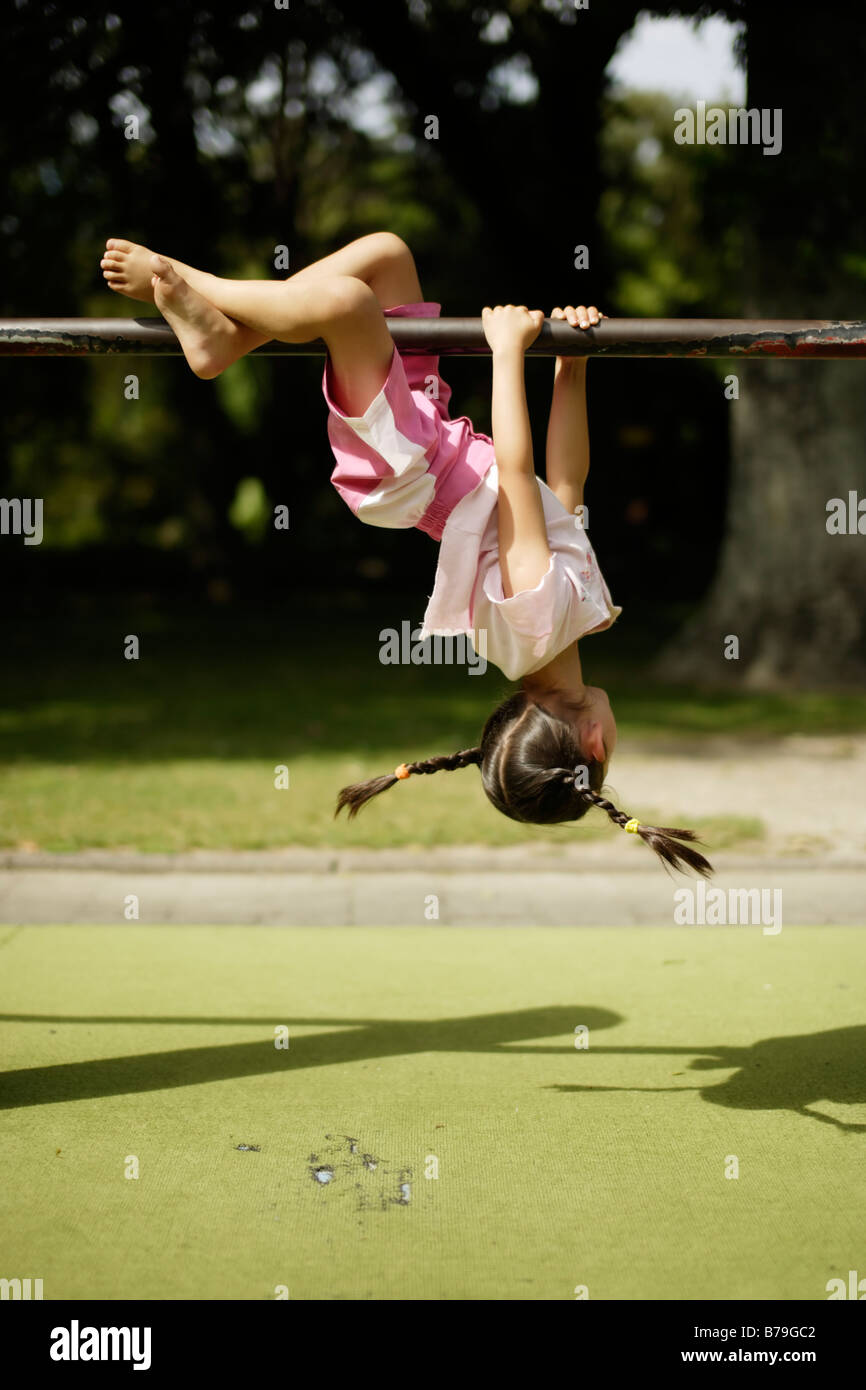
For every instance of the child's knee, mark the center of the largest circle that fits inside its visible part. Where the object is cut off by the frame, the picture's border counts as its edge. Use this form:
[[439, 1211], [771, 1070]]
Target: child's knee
[[343, 297], [391, 247]]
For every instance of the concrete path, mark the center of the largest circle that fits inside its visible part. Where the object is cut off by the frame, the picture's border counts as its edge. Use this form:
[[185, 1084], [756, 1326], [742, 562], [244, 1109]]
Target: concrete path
[[438, 888]]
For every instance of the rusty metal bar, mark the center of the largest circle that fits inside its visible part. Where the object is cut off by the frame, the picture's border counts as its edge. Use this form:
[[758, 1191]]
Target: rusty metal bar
[[731, 338]]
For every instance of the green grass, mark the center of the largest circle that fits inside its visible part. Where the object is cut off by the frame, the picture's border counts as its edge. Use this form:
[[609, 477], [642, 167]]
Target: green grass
[[178, 750], [213, 804], [608, 1167]]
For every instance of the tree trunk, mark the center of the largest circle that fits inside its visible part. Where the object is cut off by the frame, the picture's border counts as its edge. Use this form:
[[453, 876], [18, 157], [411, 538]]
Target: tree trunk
[[789, 590]]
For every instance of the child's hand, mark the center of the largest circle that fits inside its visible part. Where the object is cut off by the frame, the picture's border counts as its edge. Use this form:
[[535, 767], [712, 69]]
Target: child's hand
[[581, 317], [511, 326]]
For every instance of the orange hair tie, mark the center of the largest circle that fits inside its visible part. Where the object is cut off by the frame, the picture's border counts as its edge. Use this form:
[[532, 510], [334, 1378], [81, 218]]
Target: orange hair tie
[[402, 771]]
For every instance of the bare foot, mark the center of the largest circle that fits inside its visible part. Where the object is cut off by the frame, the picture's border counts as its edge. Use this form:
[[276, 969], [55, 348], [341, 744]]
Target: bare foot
[[205, 334], [127, 270]]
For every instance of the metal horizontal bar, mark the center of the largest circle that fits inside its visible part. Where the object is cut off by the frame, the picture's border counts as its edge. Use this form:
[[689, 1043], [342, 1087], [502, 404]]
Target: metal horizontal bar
[[152, 337]]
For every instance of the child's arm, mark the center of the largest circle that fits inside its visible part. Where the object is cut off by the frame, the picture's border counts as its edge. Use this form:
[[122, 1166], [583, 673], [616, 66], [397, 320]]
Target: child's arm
[[567, 457], [524, 553]]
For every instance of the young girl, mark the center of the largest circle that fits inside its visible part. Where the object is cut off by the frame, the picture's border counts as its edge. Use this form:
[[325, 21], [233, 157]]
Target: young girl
[[514, 560]]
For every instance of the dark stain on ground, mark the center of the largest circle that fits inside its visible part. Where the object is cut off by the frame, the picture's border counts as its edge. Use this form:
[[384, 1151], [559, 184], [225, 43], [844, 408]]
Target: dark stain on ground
[[353, 1143], [404, 1188], [374, 1183]]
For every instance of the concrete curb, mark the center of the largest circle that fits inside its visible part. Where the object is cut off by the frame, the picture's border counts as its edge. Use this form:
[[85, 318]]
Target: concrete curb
[[432, 898], [464, 859]]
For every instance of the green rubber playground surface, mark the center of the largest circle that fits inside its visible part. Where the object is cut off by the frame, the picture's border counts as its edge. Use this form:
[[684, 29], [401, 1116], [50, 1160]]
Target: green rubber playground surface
[[431, 1131]]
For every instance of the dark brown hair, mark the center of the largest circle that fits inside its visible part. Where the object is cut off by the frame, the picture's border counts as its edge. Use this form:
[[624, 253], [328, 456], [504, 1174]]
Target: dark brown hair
[[533, 771]]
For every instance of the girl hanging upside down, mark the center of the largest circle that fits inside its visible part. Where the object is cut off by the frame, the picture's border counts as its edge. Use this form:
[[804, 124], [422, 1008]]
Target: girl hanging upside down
[[514, 559]]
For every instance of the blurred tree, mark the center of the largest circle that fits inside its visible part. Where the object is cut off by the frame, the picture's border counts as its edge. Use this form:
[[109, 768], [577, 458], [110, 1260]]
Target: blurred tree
[[790, 591], [243, 146], [671, 216]]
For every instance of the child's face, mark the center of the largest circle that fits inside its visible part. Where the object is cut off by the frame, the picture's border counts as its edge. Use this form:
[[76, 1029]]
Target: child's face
[[595, 726]]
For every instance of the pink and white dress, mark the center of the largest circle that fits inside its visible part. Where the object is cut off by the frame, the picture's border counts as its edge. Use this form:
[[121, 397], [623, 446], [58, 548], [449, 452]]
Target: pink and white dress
[[406, 463]]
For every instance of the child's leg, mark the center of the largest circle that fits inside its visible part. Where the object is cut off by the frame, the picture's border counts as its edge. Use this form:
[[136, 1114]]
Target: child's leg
[[243, 314], [342, 310], [382, 261]]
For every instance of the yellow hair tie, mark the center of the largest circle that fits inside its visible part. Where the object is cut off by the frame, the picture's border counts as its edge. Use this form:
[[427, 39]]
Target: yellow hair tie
[[402, 771], [632, 825]]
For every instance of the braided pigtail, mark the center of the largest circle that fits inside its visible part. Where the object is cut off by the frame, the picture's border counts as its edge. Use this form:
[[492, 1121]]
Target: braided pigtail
[[360, 793], [662, 839]]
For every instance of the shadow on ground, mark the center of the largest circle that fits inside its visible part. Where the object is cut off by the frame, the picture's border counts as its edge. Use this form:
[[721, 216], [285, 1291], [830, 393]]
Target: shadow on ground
[[788, 1073]]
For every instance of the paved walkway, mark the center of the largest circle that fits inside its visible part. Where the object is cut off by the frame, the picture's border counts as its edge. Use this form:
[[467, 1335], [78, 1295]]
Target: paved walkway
[[439, 888]]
